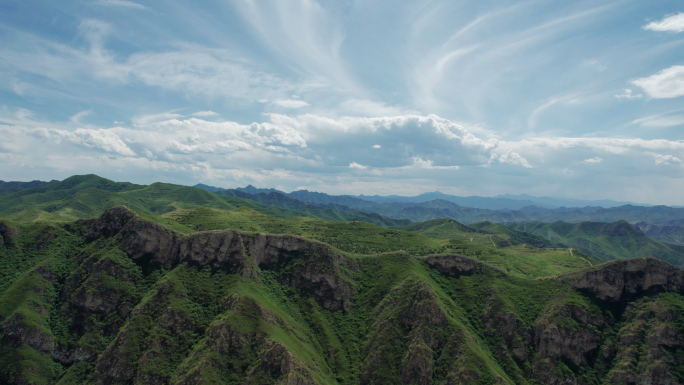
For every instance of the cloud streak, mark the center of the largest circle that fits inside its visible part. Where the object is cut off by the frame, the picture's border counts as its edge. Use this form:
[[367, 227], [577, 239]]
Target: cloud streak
[[674, 23], [666, 84]]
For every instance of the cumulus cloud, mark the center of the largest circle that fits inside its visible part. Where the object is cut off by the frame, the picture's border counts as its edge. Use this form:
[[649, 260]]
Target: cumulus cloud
[[377, 146], [421, 163], [668, 83], [674, 23], [514, 158], [310, 150], [336, 140], [102, 139], [667, 160]]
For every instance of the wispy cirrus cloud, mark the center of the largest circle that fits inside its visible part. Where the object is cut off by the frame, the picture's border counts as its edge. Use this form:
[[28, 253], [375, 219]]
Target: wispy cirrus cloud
[[120, 3], [291, 103]]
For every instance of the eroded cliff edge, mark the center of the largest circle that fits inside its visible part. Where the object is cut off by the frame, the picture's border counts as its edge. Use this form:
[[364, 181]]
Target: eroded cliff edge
[[138, 303]]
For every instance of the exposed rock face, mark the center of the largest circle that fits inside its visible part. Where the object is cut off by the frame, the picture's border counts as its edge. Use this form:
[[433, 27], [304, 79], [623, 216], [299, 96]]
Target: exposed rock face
[[512, 338], [628, 279], [318, 268], [646, 342], [455, 265], [110, 222], [142, 304], [410, 309], [6, 233], [569, 334], [227, 345]]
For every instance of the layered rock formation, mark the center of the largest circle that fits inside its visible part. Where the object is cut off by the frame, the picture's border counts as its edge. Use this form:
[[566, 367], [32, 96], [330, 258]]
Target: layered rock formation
[[127, 300]]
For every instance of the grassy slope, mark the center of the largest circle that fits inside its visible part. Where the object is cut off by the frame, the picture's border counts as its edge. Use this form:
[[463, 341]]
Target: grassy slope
[[605, 241], [500, 250], [86, 196], [182, 315]]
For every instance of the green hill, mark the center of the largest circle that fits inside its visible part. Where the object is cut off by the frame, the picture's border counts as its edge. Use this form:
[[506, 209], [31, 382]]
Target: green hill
[[86, 196], [605, 241], [121, 299]]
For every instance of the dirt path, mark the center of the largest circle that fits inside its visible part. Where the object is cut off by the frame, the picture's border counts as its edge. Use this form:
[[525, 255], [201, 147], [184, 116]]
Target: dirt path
[[493, 244], [585, 260]]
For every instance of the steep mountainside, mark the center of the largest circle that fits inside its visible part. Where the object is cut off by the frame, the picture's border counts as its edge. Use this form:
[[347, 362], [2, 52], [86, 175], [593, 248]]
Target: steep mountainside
[[121, 299], [84, 196], [470, 210], [604, 241]]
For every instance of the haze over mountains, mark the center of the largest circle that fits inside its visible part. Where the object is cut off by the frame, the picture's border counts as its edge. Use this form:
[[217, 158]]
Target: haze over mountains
[[499, 202], [661, 222]]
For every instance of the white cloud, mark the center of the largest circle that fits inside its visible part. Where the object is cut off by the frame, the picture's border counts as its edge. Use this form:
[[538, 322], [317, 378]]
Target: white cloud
[[514, 158], [304, 34], [667, 160], [377, 146], [120, 3], [674, 23], [357, 166], [594, 64], [76, 119], [145, 120], [311, 150], [659, 121], [291, 103], [629, 94], [421, 163], [205, 113], [668, 83], [102, 139], [594, 160], [201, 71]]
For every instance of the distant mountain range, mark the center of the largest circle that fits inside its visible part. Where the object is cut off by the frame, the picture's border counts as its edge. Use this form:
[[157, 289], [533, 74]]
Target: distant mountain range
[[499, 202], [660, 222]]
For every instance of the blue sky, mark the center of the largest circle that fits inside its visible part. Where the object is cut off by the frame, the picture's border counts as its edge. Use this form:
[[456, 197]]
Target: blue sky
[[581, 99]]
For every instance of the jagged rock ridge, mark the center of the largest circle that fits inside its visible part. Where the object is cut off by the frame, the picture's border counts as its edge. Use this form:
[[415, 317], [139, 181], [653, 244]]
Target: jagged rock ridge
[[130, 301]]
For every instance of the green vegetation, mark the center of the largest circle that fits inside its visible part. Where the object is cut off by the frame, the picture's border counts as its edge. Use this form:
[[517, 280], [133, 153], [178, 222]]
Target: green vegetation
[[143, 298], [85, 196], [604, 241]]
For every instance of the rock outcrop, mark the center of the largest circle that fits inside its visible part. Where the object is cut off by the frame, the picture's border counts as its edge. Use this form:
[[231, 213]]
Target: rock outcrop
[[628, 279], [6, 234], [317, 268], [128, 301]]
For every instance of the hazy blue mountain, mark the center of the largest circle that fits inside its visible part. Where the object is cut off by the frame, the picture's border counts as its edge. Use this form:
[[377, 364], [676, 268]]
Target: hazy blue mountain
[[13, 186], [509, 210], [568, 202]]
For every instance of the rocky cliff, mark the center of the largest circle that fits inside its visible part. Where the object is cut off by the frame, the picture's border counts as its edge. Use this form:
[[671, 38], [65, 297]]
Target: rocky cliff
[[120, 300]]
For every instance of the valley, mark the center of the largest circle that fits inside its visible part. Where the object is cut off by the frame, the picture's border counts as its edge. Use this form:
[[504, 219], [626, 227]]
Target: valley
[[115, 283]]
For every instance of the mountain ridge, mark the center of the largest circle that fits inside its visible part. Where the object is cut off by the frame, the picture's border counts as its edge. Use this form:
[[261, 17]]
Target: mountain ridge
[[135, 302]]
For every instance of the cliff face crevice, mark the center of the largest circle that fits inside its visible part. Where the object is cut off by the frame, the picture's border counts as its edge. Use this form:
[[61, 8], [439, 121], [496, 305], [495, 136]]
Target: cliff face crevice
[[311, 266], [128, 301], [628, 279], [454, 265]]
